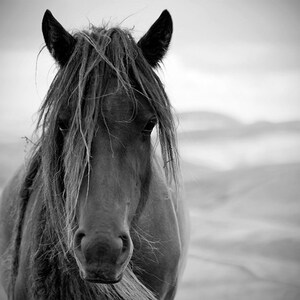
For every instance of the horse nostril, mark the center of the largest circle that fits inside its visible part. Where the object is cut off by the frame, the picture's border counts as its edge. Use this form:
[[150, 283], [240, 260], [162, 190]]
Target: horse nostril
[[125, 241], [126, 250], [79, 235]]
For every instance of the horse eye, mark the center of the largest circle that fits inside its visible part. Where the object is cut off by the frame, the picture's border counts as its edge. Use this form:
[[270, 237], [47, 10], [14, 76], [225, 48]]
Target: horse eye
[[149, 126]]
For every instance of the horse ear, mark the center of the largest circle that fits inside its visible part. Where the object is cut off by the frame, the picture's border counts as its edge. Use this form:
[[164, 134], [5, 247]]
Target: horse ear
[[154, 44], [59, 42]]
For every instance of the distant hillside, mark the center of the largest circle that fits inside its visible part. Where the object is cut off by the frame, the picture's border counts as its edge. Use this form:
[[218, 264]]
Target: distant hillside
[[202, 125], [209, 189], [205, 120]]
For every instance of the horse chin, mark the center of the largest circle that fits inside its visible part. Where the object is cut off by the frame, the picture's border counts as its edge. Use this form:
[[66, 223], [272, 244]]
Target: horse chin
[[103, 280], [99, 277]]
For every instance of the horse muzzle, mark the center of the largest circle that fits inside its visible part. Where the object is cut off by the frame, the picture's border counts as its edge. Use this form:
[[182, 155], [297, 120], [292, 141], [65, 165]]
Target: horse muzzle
[[102, 258]]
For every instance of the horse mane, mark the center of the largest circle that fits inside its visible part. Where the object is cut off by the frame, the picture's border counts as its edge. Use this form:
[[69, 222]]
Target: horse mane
[[67, 124]]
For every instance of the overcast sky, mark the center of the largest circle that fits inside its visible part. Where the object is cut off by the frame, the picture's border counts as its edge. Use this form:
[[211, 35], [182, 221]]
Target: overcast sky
[[237, 57]]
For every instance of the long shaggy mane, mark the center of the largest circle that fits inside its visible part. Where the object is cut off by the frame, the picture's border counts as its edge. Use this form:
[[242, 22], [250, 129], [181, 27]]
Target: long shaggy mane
[[66, 127]]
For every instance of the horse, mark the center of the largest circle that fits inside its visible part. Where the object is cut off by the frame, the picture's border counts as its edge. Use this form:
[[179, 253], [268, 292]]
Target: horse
[[96, 211]]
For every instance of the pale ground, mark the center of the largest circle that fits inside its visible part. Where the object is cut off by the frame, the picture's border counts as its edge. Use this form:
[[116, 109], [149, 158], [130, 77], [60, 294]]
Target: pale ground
[[243, 190], [245, 236]]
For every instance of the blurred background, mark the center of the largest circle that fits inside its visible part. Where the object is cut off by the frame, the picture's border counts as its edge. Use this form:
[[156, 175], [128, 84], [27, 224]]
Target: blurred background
[[233, 76]]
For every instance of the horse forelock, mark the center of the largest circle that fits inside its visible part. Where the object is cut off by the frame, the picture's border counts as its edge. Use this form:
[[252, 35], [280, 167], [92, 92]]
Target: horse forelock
[[68, 121]]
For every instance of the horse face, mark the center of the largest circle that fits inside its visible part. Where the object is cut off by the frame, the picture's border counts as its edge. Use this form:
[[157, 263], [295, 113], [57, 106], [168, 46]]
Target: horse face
[[114, 189]]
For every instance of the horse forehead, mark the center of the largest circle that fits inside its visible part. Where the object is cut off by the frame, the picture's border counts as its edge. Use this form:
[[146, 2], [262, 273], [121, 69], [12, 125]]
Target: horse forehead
[[117, 106], [121, 106]]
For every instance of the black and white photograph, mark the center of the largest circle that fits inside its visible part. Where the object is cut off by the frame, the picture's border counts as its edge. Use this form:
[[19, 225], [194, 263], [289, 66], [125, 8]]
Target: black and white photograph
[[150, 150]]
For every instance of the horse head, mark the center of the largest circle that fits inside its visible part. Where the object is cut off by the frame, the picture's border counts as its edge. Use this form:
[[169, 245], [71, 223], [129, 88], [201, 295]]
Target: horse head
[[126, 102]]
